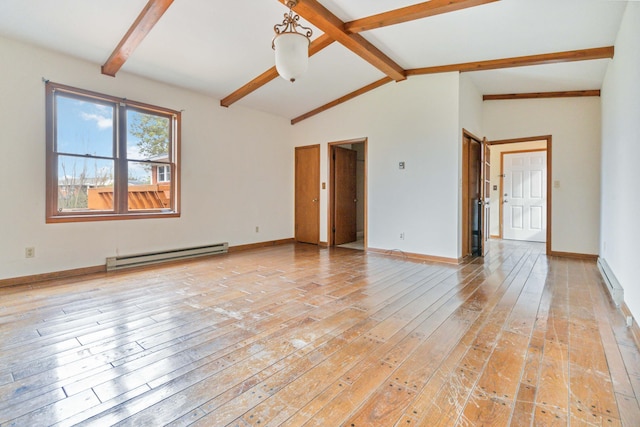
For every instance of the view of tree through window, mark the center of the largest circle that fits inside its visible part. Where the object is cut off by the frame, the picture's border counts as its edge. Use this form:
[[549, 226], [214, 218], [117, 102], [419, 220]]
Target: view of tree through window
[[100, 148]]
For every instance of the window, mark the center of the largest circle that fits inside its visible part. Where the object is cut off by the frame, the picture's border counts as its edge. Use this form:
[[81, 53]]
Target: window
[[164, 173], [102, 153]]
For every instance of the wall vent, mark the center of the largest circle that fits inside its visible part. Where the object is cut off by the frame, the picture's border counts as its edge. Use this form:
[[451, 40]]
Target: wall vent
[[616, 291], [119, 262]]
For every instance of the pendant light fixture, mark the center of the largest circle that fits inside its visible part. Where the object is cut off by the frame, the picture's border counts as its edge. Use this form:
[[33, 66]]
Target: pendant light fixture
[[291, 47]]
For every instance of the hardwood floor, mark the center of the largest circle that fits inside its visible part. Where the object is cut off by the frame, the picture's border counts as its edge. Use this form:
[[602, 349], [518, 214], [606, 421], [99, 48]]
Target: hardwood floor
[[295, 335]]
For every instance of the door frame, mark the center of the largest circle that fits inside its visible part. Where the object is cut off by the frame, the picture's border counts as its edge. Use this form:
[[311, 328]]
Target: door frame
[[331, 175], [465, 232], [501, 185], [548, 139]]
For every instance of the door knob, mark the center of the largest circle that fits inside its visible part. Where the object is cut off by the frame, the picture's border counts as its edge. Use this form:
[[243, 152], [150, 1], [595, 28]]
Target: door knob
[[314, 200], [505, 201]]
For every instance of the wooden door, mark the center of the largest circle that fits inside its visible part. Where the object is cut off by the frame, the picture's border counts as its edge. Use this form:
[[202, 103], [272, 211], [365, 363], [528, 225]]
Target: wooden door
[[345, 162], [525, 196], [307, 194]]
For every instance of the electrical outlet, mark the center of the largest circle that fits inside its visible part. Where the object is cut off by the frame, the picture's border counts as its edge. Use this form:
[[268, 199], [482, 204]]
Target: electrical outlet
[[30, 252], [257, 229], [402, 236]]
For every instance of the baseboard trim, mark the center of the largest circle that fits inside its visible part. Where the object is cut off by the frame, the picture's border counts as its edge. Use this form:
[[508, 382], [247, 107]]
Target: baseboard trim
[[635, 328], [64, 274], [589, 257], [414, 256], [239, 248], [323, 244]]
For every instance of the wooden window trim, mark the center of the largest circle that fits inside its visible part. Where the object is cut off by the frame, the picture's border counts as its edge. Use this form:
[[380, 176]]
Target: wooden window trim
[[119, 211]]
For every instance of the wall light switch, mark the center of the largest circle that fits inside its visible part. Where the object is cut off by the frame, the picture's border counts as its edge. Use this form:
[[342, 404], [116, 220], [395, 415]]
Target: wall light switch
[[556, 184], [401, 165]]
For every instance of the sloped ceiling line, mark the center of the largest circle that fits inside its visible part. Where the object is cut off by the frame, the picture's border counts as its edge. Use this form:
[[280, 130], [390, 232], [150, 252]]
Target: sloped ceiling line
[[342, 99]]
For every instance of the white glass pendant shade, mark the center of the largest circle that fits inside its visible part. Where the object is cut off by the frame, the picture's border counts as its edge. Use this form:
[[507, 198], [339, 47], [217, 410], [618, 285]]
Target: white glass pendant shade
[[292, 55]]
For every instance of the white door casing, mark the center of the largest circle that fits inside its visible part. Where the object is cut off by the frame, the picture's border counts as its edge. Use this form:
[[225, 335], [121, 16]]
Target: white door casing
[[524, 196]]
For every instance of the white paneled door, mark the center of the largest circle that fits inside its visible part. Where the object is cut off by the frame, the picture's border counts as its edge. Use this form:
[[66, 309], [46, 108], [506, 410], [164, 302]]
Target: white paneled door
[[525, 196]]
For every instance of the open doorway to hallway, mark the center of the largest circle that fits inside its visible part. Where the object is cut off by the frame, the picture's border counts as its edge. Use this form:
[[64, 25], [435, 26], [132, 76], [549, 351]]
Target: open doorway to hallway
[[347, 194], [521, 189]]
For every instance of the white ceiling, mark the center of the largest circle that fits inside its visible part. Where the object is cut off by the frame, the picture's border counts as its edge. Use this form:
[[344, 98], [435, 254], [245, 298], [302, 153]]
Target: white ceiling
[[218, 46]]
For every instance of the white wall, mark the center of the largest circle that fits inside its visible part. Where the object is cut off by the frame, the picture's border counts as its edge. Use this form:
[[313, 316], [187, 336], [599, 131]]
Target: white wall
[[234, 176], [496, 155], [620, 227], [415, 121], [471, 106], [574, 124]]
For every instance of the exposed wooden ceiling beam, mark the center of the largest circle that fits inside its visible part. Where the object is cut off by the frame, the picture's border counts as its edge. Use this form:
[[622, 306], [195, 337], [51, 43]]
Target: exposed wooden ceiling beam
[[410, 13], [342, 99], [149, 16], [327, 22], [531, 95], [519, 61], [422, 10], [316, 46]]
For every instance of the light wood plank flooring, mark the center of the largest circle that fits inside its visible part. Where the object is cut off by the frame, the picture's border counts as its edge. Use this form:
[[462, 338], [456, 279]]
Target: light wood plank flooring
[[295, 335]]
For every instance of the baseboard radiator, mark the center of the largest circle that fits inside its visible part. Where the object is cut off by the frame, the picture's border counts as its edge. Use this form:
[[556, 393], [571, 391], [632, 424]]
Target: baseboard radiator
[[127, 261], [614, 287]]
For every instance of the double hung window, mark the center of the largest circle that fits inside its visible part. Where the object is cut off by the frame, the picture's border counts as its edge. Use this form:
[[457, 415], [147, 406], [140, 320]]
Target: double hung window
[[109, 158]]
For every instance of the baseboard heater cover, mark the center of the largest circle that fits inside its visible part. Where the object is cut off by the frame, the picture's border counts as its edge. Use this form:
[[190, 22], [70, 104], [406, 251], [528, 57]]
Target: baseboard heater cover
[[614, 287], [127, 261]]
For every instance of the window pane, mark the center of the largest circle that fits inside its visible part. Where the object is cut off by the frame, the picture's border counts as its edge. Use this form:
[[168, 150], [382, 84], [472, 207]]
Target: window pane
[[145, 192], [147, 136], [84, 184], [84, 127], [164, 173]]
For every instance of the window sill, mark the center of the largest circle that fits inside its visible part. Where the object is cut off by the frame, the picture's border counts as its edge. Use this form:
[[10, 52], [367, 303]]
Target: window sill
[[109, 217]]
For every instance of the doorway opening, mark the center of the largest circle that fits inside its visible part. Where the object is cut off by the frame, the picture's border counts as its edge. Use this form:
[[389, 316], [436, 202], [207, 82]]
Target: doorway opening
[[348, 194], [521, 189], [475, 195]]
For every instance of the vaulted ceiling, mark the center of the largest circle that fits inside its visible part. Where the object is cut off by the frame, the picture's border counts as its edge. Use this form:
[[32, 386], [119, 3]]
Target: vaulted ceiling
[[223, 48]]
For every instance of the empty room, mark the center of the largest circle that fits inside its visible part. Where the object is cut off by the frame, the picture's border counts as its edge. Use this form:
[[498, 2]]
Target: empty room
[[319, 213]]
